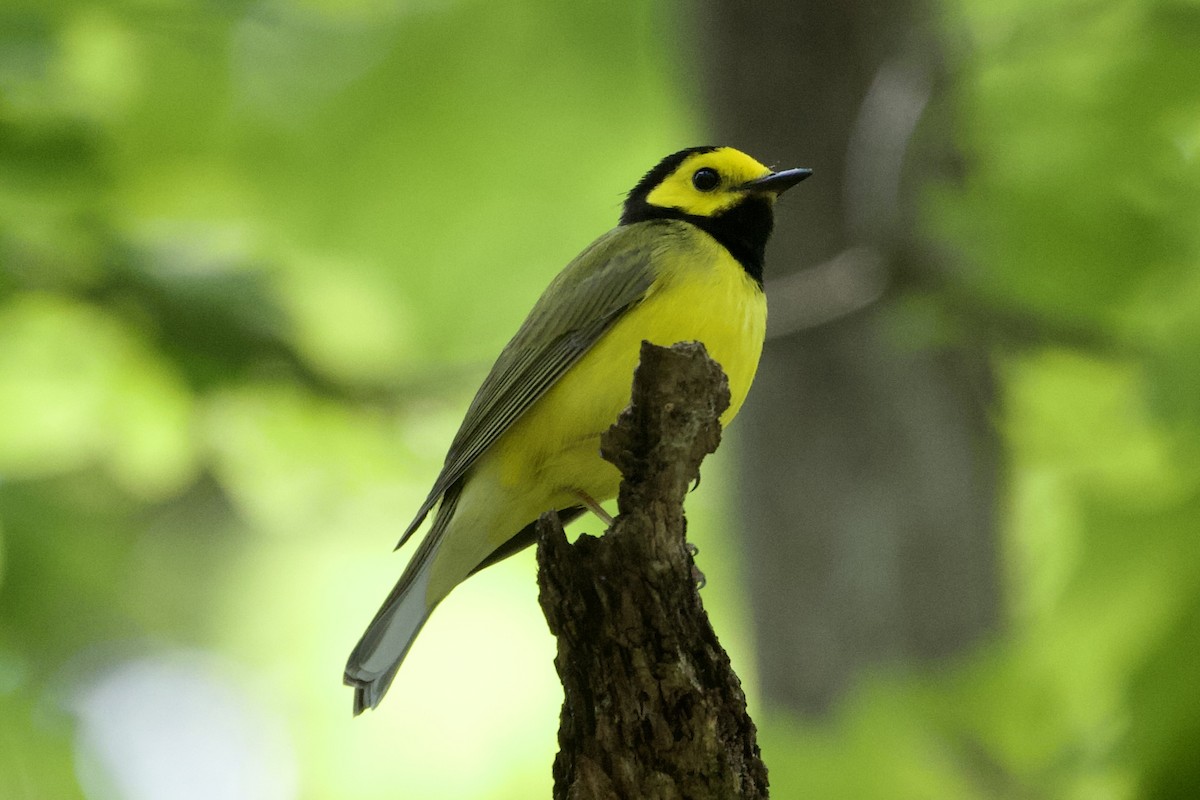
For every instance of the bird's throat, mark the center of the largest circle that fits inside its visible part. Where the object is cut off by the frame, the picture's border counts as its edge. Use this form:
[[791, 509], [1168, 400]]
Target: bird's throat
[[742, 230]]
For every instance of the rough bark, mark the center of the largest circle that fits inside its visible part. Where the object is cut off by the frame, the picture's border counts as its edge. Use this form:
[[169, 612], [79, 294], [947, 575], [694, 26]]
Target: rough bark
[[652, 708]]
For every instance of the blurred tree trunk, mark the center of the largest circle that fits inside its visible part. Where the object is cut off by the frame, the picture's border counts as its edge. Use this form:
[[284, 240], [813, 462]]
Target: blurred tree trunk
[[869, 463]]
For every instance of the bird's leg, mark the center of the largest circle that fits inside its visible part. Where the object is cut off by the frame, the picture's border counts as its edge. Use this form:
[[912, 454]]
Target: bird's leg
[[595, 507]]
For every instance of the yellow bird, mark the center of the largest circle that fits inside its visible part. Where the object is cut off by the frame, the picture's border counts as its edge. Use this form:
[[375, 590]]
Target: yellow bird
[[684, 264]]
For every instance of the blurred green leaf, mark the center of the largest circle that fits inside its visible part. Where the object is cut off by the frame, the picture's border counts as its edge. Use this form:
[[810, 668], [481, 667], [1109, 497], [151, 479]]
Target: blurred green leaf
[[35, 752]]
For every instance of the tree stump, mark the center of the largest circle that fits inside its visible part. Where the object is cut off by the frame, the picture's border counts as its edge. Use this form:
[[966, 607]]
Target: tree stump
[[652, 709]]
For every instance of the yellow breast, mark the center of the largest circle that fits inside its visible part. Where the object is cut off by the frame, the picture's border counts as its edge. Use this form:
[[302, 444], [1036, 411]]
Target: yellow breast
[[700, 293]]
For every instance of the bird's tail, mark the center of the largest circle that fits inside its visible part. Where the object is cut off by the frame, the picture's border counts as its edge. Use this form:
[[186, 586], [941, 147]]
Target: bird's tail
[[377, 656]]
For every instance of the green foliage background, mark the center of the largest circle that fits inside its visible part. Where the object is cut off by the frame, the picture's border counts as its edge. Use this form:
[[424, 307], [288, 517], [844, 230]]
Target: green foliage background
[[255, 256]]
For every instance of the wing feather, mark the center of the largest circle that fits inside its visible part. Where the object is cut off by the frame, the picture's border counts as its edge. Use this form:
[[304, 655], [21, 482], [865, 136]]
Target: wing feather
[[583, 302]]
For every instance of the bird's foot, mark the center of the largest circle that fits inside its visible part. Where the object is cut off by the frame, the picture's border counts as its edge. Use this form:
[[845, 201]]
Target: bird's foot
[[697, 575]]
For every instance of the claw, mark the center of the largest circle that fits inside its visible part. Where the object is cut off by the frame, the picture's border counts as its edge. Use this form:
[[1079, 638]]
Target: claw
[[697, 575]]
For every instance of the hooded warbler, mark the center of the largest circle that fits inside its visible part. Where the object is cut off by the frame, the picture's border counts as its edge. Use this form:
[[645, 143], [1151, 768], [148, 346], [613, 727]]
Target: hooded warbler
[[684, 264]]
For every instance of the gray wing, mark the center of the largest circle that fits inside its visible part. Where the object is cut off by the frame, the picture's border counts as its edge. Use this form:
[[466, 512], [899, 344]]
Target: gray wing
[[588, 296]]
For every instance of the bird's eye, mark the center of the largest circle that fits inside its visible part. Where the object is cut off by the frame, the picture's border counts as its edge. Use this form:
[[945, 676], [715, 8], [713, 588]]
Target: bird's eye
[[706, 179]]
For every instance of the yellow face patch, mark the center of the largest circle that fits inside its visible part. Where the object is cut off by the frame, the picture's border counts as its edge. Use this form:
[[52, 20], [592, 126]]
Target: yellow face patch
[[690, 193]]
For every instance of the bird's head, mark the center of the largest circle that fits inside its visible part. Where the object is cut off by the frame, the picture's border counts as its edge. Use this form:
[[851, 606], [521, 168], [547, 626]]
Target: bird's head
[[705, 182], [720, 190]]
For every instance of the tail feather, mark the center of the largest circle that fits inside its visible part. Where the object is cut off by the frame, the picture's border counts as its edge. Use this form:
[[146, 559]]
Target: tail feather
[[378, 654], [373, 663]]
